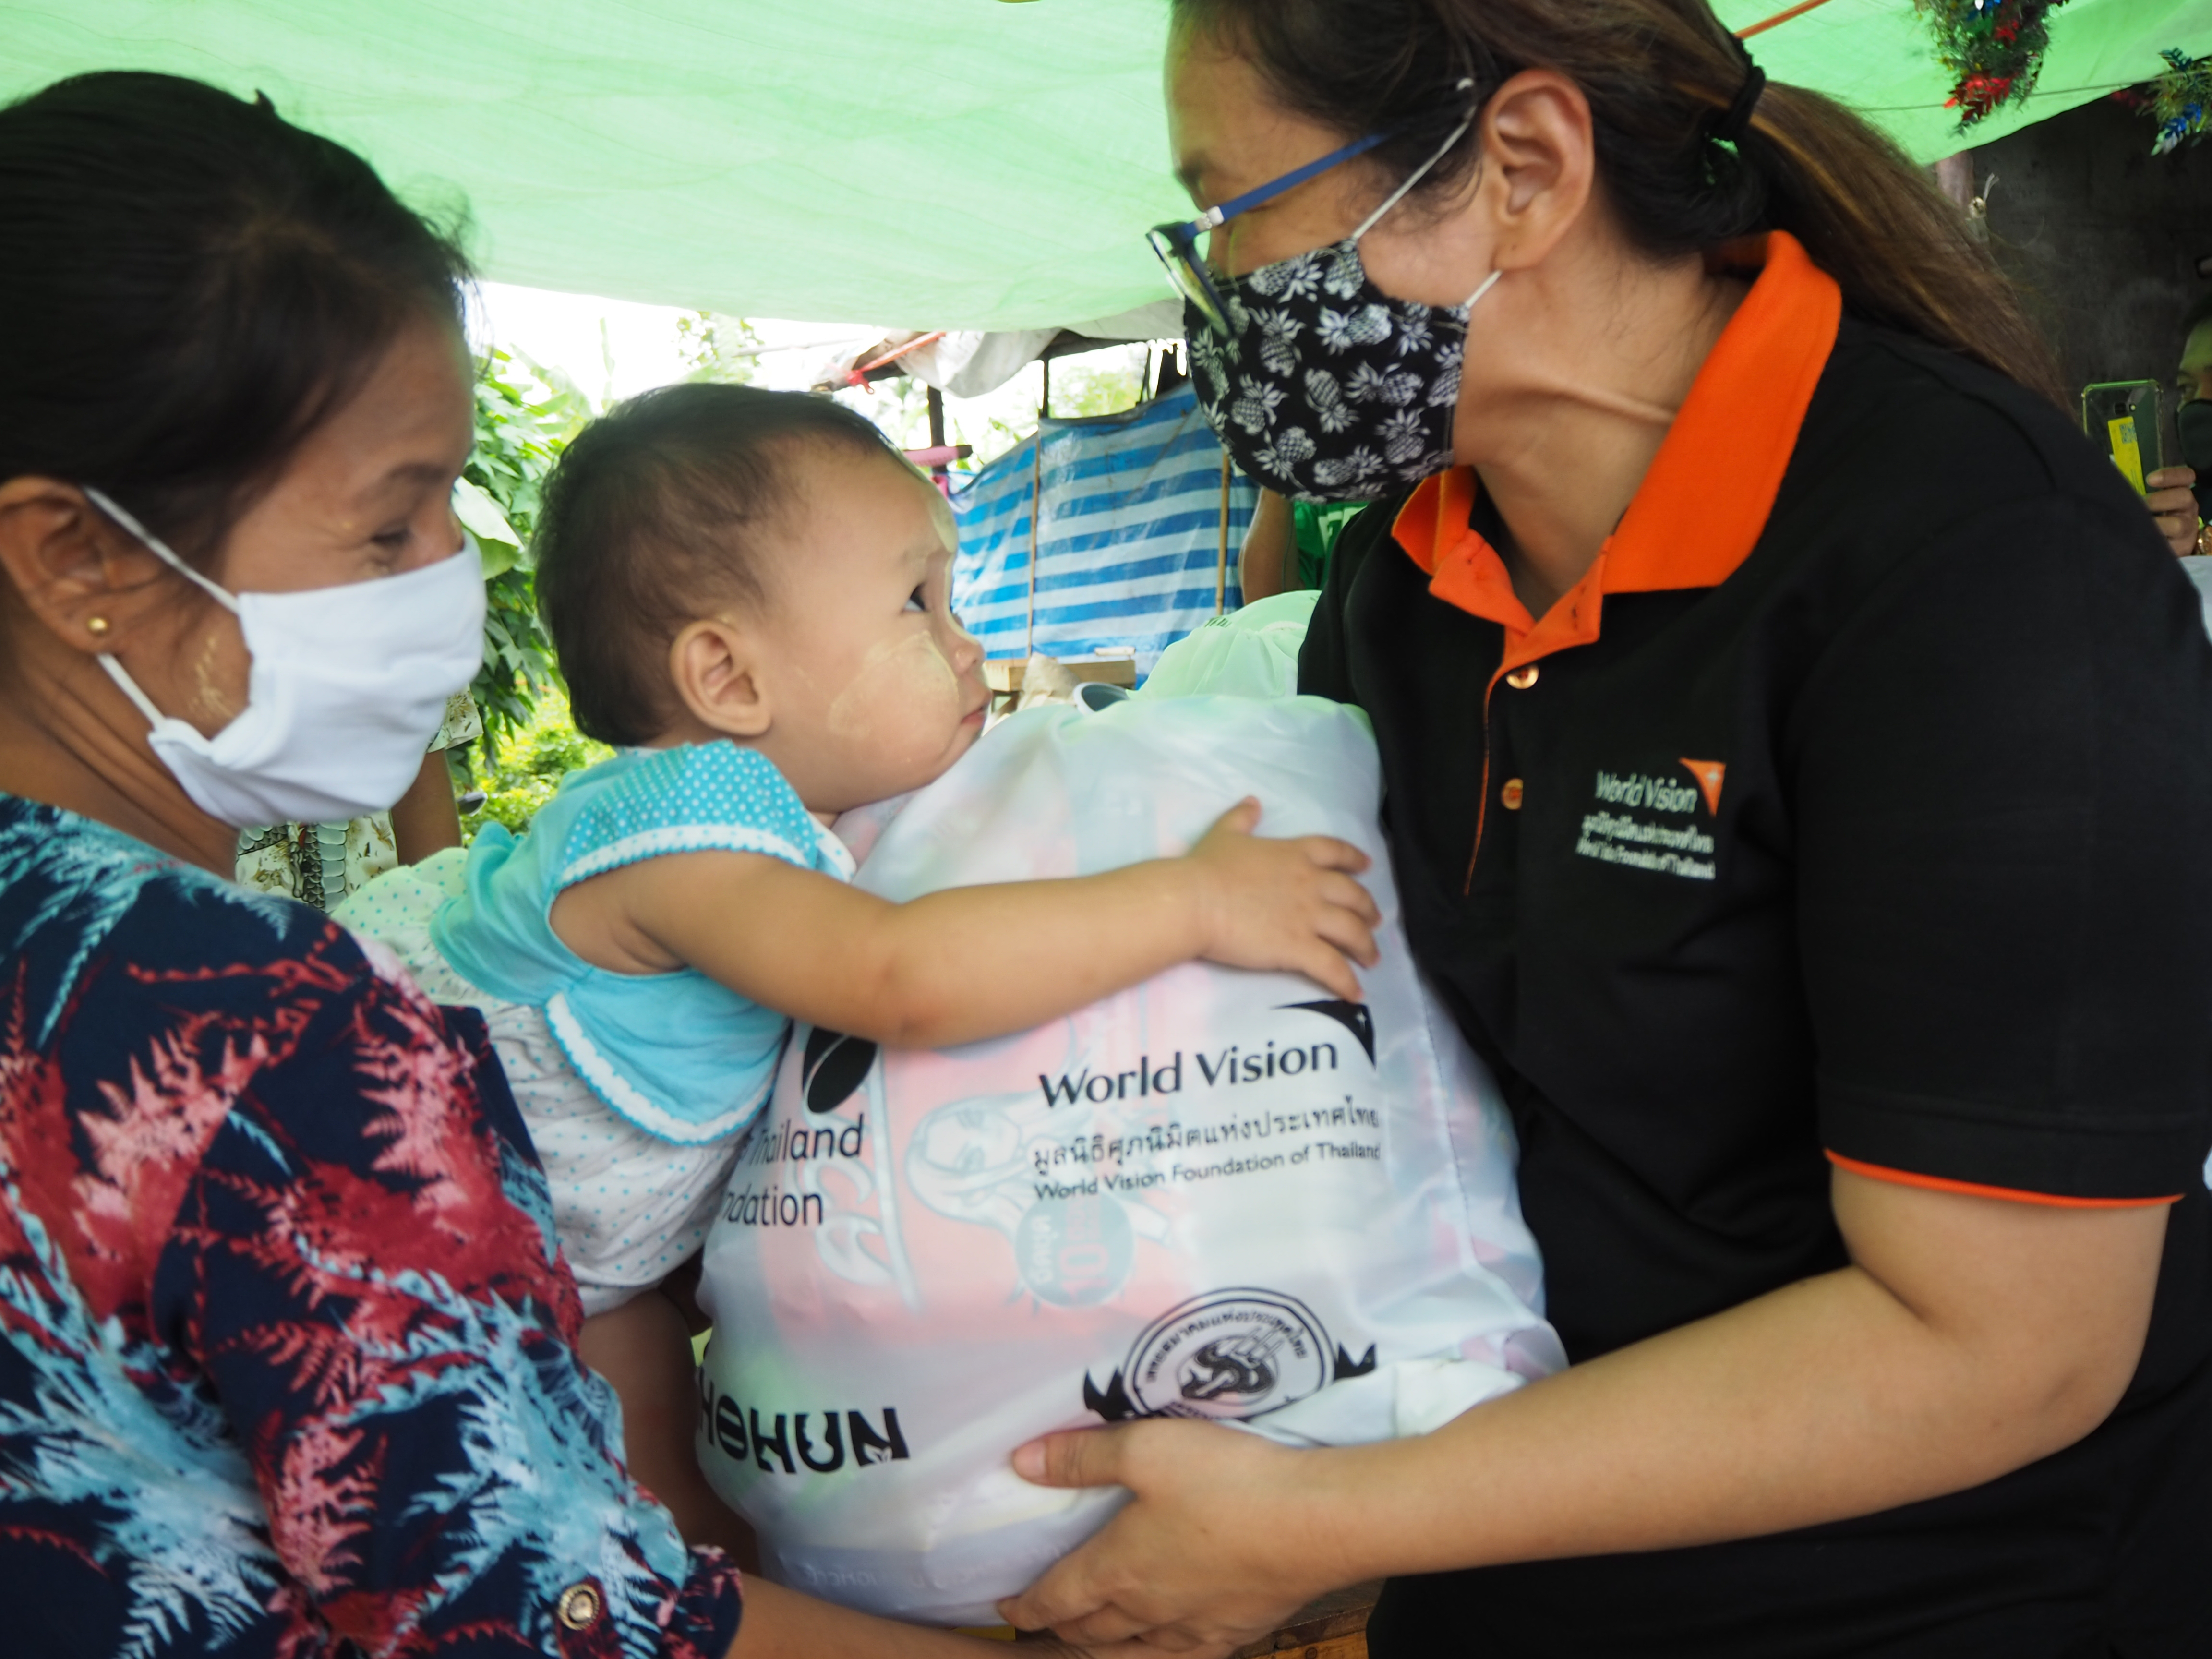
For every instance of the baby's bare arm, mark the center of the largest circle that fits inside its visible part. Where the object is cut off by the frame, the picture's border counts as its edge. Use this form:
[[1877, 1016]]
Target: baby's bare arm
[[975, 962]]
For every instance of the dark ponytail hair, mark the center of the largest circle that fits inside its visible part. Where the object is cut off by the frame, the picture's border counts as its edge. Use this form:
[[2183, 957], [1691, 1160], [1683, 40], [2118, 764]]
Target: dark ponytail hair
[[190, 284], [1659, 76]]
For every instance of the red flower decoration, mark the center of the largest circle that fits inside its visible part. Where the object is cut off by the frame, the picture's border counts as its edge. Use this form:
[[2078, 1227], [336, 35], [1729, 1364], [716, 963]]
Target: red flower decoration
[[1993, 50], [1977, 95]]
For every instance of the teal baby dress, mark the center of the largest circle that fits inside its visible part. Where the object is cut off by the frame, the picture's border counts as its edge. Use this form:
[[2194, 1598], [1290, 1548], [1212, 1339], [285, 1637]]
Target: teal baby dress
[[677, 1055]]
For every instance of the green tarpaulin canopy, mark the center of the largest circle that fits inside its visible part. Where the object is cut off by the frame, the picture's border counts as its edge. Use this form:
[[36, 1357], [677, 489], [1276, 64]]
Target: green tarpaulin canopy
[[922, 163]]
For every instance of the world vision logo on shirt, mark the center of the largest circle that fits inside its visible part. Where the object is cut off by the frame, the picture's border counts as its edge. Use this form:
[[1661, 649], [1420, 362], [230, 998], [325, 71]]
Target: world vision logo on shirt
[[1709, 775], [1651, 823]]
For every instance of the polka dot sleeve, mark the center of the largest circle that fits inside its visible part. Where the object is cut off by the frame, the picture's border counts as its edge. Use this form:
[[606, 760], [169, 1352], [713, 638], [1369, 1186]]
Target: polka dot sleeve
[[692, 798]]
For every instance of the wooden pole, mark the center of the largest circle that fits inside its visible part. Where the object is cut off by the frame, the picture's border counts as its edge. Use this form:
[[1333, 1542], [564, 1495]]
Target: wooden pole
[[1766, 23], [1221, 565], [935, 402], [1037, 512]]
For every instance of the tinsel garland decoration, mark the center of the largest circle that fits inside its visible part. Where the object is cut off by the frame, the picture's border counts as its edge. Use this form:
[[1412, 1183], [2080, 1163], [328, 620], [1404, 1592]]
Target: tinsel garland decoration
[[1992, 49], [2180, 101]]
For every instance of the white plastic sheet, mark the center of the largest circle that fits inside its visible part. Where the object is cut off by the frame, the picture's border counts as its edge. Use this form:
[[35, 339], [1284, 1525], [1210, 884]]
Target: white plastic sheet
[[1219, 1194]]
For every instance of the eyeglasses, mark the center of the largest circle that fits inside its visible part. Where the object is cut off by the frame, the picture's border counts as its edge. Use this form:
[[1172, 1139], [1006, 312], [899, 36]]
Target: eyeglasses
[[1177, 243]]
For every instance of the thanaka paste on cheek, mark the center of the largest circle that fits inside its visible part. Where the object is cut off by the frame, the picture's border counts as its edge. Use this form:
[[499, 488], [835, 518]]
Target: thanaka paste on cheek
[[904, 686]]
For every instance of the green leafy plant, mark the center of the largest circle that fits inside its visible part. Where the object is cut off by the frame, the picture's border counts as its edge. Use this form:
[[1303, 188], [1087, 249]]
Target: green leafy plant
[[2180, 101], [525, 415], [1992, 50], [528, 768], [724, 350], [1086, 389]]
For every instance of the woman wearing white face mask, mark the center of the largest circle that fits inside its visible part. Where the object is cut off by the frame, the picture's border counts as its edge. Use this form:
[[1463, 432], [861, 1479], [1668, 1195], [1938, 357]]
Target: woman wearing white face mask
[[320, 863], [286, 1350], [1797, 749]]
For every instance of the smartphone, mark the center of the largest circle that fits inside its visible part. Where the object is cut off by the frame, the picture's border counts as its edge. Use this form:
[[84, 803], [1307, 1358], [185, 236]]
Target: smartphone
[[2122, 418]]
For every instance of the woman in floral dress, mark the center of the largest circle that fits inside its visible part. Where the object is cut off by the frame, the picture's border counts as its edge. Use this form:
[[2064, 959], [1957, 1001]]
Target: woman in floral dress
[[287, 1359]]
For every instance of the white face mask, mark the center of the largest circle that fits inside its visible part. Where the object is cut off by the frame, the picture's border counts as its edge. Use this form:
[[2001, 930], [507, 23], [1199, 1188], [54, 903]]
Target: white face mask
[[348, 686]]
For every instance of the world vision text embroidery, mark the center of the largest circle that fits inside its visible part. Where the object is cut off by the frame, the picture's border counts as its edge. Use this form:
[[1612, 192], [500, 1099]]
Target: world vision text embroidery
[[1616, 833]]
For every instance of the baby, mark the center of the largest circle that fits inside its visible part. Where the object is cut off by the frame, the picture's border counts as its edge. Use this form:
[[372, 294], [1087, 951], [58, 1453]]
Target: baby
[[749, 591]]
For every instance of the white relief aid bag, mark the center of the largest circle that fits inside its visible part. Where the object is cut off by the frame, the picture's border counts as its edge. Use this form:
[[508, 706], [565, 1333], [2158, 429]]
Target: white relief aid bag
[[1220, 1195]]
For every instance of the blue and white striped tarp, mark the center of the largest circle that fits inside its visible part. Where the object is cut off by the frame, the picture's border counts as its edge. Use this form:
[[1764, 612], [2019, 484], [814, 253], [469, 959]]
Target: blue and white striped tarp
[[1129, 539]]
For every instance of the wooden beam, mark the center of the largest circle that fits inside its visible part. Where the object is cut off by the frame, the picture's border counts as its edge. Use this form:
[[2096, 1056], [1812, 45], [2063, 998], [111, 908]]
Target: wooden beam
[[1221, 565], [1037, 512], [1779, 18]]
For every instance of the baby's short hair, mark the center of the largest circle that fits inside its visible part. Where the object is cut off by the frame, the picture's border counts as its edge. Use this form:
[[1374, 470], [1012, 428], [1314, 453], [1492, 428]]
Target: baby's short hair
[[659, 511]]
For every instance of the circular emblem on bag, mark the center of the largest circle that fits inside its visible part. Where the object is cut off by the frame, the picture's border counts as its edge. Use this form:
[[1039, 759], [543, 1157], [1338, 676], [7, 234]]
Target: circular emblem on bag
[[1075, 1251], [1231, 1353]]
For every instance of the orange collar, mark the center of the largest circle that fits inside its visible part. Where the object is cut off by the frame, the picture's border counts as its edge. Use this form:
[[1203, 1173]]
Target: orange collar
[[1702, 506]]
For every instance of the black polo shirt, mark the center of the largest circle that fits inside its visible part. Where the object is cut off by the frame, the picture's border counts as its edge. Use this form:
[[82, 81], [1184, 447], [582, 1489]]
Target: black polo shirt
[[1856, 809]]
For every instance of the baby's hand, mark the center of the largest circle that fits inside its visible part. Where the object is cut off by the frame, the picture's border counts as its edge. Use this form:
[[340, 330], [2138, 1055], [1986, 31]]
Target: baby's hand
[[1284, 904]]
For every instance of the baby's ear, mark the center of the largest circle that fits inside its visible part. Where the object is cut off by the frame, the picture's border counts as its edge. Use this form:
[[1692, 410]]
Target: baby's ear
[[718, 673]]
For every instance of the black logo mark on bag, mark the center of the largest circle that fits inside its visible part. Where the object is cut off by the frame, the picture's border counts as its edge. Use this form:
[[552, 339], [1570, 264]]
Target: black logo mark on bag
[[1352, 1016], [832, 1067], [1241, 1367], [1236, 1353], [741, 1434], [1114, 1405]]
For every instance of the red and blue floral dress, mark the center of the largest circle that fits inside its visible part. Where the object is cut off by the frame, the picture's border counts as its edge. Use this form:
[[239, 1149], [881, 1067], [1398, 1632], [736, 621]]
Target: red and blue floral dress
[[287, 1349]]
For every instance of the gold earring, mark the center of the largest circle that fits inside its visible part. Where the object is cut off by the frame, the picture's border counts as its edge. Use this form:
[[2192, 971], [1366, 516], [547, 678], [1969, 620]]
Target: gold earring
[[96, 626]]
